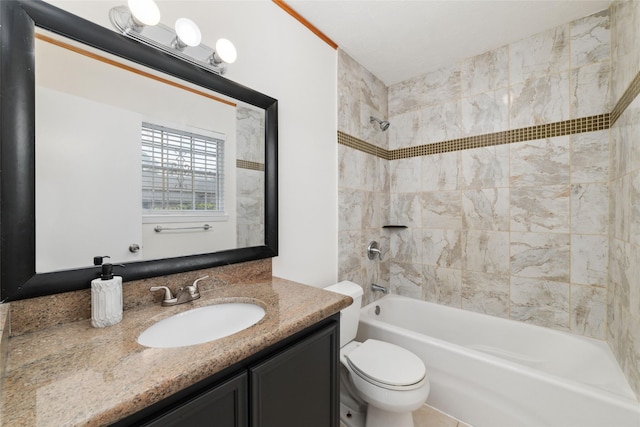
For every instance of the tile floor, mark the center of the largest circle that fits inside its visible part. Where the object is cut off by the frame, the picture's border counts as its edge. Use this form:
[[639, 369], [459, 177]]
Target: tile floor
[[431, 417]]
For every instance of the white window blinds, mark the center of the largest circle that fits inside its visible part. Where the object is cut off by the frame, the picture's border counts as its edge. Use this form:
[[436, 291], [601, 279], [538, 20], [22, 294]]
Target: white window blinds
[[182, 172]]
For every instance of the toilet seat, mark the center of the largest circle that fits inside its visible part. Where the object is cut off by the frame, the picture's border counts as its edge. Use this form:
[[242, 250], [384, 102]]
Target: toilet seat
[[387, 365]]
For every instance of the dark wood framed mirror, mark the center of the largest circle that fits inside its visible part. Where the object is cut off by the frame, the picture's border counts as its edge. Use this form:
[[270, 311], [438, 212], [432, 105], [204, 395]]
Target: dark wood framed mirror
[[19, 20]]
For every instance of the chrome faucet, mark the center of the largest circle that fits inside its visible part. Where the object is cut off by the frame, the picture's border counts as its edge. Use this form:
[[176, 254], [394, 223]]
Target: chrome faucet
[[186, 294], [379, 288]]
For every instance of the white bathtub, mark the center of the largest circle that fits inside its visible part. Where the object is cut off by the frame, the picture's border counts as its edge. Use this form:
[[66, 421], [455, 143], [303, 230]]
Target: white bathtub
[[493, 372]]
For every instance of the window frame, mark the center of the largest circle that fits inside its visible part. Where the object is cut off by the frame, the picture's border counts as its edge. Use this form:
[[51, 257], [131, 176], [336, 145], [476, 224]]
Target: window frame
[[187, 215]]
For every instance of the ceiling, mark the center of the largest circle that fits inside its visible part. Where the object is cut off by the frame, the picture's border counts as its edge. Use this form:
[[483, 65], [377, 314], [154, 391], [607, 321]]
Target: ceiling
[[400, 39]]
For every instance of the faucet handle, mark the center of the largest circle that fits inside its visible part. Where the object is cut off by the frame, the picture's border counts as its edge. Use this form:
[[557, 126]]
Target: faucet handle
[[195, 283], [168, 296]]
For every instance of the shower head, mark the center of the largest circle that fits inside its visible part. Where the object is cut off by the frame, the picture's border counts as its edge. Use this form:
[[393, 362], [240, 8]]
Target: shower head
[[384, 125]]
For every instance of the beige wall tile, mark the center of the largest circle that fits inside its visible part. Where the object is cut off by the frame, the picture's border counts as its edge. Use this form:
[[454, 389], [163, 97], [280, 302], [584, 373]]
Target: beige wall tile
[[442, 285], [590, 39], [540, 55], [540, 256], [406, 209], [440, 122], [441, 248], [486, 209], [540, 100], [589, 257], [485, 251], [406, 246], [544, 208], [540, 162], [486, 167], [441, 85], [406, 279], [590, 208], [441, 172], [405, 175], [486, 72], [485, 293], [442, 209], [406, 130], [589, 91], [485, 112], [588, 308], [405, 96], [590, 157], [542, 302]]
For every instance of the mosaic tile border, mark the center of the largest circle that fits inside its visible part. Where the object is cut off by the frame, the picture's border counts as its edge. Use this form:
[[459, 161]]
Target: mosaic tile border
[[358, 144], [246, 164], [626, 99], [550, 130]]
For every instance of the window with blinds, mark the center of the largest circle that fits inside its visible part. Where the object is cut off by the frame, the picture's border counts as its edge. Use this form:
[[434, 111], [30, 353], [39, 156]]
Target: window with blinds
[[182, 172]]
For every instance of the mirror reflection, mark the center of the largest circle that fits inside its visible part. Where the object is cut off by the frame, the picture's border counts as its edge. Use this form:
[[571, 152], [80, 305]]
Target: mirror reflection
[[139, 166]]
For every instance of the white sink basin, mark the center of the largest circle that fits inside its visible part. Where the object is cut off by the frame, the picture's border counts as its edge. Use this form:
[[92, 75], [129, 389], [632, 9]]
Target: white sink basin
[[201, 325]]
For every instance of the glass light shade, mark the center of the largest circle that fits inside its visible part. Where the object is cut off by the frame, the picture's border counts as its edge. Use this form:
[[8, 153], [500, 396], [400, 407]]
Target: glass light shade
[[188, 32], [145, 11], [226, 51]]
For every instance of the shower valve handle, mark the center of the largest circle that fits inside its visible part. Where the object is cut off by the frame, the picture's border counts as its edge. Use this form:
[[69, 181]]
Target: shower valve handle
[[373, 250]]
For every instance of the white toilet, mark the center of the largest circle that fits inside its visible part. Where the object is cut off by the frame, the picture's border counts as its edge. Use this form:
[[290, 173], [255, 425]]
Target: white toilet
[[389, 380]]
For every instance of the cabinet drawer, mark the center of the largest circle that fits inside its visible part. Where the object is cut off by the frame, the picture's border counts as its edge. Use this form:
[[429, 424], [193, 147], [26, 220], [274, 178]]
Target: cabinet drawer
[[223, 406]]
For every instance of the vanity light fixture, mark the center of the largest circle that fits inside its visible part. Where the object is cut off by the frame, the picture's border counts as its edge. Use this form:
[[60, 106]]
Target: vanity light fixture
[[144, 12], [225, 52], [187, 34], [140, 20]]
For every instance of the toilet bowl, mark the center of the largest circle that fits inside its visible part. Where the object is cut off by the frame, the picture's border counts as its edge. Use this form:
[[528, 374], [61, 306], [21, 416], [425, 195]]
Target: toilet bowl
[[389, 379]]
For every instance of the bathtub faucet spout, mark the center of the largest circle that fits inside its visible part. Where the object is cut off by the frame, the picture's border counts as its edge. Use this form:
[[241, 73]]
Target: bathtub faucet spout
[[379, 288]]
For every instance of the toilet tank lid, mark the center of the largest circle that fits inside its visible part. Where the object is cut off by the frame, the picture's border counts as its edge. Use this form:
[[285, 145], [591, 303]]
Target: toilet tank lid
[[346, 288]]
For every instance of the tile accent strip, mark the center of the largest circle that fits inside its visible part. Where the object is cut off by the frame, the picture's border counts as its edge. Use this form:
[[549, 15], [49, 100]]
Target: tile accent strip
[[246, 164], [550, 130], [358, 144], [626, 99]]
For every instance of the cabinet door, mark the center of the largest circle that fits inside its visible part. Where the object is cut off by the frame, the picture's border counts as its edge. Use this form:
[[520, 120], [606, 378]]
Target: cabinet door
[[298, 386], [223, 406]]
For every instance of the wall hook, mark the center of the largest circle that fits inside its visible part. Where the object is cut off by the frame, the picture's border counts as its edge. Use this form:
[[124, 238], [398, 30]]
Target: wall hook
[[374, 249]]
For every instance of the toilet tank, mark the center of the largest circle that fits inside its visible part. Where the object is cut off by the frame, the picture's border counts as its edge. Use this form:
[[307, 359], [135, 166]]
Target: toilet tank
[[349, 316]]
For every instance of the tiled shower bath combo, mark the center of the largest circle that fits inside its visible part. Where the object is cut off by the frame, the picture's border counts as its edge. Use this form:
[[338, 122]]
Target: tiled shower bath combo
[[517, 174]]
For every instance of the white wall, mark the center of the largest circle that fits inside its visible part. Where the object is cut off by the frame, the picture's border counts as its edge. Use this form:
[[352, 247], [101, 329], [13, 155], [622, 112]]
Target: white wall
[[85, 208], [280, 57]]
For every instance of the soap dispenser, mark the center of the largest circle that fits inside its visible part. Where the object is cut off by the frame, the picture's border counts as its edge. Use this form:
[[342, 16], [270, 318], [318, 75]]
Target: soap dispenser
[[106, 296]]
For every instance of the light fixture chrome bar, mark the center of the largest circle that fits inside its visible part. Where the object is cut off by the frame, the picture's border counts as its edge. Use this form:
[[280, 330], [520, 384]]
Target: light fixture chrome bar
[[162, 37]]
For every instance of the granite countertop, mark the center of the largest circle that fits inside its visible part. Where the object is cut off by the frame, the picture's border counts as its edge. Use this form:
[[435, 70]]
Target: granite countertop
[[74, 374]]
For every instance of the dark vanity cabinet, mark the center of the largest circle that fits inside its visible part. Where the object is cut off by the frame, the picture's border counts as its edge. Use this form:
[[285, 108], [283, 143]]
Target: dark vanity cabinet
[[297, 387], [293, 383], [224, 405]]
